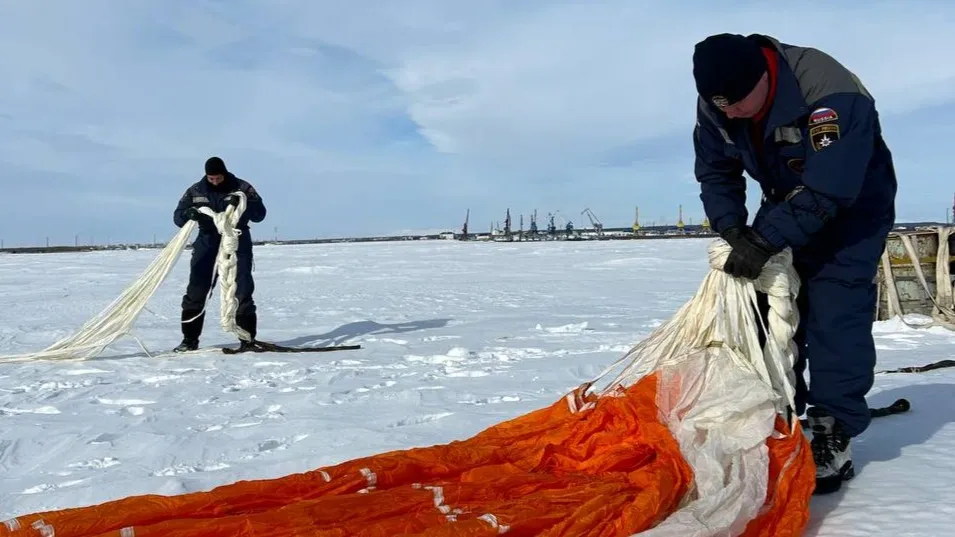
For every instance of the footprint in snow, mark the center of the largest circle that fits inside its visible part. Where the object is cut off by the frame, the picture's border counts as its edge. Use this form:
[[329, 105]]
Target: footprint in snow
[[275, 444], [49, 487], [417, 420], [95, 464], [105, 438], [180, 469]]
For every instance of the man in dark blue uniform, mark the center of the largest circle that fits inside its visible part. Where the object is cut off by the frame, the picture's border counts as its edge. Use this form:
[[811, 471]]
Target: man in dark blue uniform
[[807, 130], [215, 190]]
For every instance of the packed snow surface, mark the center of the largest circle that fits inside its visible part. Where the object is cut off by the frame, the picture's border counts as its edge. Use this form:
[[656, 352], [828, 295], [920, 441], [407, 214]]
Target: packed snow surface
[[456, 337]]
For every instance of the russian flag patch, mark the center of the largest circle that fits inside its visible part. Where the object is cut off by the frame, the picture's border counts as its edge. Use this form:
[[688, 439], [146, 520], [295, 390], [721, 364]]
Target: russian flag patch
[[822, 115]]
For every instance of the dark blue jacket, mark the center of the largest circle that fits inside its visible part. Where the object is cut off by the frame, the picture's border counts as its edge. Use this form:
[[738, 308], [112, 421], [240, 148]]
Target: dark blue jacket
[[823, 161], [204, 193]]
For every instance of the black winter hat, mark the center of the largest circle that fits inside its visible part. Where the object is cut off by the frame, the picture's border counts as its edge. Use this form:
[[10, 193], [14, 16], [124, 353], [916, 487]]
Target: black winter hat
[[727, 67], [215, 166]]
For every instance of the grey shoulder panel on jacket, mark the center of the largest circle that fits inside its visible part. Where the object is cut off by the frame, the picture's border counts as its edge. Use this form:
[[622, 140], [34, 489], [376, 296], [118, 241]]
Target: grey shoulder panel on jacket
[[196, 188], [244, 185], [247, 188], [703, 107], [819, 74]]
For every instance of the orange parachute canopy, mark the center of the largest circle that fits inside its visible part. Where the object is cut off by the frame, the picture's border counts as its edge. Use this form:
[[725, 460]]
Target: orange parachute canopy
[[688, 440], [612, 470]]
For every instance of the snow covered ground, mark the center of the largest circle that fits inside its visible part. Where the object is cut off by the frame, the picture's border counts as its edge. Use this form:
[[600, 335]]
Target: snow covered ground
[[456, 336]]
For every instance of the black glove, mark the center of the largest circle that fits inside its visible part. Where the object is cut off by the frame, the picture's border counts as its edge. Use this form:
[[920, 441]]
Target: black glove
[[192, 213], [233, 200], [750, 252]]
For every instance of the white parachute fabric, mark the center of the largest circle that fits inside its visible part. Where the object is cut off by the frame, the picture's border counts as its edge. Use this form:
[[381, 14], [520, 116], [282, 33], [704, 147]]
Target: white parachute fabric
[[720, 393], [117, 319]]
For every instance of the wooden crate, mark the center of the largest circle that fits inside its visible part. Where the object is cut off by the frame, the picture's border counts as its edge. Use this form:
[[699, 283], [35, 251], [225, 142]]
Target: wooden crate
[[912, 296]]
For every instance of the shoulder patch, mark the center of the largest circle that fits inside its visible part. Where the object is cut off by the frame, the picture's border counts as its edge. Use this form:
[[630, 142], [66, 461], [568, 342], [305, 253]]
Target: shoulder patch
[[824, 135], [822, 115]]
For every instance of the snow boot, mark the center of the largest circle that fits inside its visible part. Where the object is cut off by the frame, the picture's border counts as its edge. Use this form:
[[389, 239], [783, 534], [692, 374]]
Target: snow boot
[[830, 450], [244, 346], [188, 344]]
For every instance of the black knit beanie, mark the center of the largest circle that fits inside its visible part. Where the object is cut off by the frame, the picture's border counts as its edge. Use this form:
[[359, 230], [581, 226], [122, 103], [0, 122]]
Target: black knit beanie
[[215, 166], [727, 67]]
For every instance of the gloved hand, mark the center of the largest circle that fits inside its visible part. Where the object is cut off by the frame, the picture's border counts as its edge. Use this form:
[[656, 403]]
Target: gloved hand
[[192, 213], [750, 252], [233, 200]]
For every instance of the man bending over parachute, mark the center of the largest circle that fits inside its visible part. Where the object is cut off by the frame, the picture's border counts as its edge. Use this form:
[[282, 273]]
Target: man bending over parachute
[[806, 129]]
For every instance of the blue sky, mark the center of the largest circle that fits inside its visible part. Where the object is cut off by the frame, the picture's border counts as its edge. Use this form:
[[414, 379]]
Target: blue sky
[[374, 117]]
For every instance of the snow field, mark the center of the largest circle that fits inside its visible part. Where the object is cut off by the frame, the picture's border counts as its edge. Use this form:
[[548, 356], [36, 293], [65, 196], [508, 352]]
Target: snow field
[[456, 336]]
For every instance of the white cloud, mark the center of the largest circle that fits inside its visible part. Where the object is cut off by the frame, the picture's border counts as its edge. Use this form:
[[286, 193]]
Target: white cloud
[[577, 79], [357, 113]]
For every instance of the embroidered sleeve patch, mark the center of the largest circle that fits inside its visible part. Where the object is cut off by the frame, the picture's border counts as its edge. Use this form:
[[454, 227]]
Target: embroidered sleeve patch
[[822, 115], [823, 136]]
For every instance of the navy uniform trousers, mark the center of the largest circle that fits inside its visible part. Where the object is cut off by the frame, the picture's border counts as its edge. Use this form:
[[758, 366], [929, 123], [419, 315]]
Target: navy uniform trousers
[[201, 272], [837, 302]]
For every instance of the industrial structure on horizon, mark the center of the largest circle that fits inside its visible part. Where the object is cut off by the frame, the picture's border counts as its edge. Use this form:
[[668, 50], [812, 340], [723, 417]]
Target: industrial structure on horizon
[[561, 228], [558, 228]]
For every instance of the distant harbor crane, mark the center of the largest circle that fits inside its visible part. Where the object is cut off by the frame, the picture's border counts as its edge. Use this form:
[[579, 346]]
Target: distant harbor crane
[[464, 229], [594, 221]]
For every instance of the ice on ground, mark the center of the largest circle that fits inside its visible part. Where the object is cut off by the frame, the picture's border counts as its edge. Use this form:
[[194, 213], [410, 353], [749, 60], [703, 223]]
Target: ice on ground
[[456, 337]]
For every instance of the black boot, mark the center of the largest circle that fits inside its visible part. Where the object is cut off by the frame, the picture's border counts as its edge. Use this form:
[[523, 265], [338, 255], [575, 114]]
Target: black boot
[[830, 450], [187, 345], [246, 346], [247, 322]]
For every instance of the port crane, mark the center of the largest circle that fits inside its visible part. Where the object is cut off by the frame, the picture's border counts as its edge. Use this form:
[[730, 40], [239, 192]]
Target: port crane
[[594, 221]]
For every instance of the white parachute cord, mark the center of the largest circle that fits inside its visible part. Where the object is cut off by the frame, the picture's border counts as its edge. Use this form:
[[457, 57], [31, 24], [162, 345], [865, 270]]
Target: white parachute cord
[[722, 314], [227, 263], [117, 319]]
